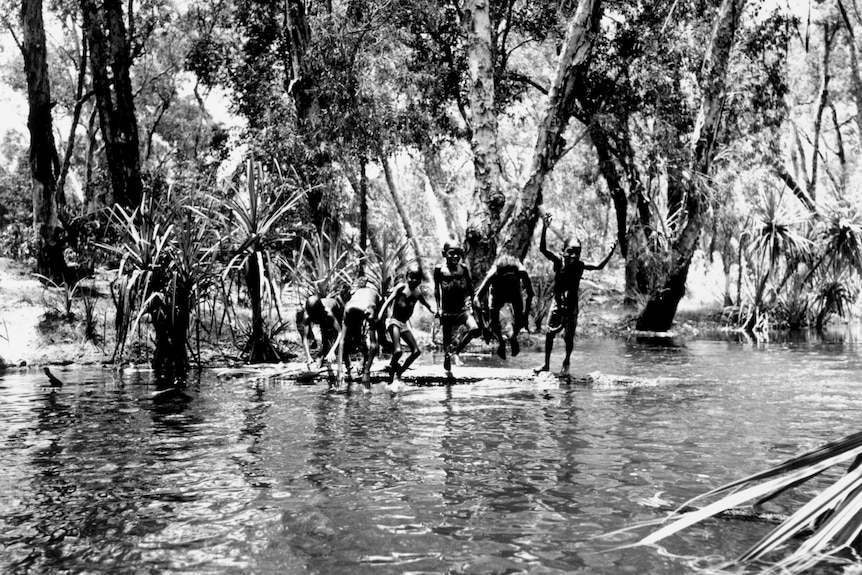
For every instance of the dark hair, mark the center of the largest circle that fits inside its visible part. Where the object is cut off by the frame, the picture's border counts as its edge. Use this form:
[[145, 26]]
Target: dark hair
[[507, 261], [413, 271], [451, 244]]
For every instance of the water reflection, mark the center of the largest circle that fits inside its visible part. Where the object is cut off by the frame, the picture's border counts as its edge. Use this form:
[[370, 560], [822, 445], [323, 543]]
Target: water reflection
[[233, 476]]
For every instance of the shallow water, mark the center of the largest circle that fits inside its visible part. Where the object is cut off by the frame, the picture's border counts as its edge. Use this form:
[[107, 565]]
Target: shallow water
[[270, 476]]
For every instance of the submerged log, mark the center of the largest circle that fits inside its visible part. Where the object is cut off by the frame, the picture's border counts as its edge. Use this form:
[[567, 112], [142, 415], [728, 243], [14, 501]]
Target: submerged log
[[434, 375]]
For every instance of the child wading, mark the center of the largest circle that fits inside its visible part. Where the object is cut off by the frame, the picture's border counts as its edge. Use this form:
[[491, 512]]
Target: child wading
[[453, 293], [403, 299], [568, 271]]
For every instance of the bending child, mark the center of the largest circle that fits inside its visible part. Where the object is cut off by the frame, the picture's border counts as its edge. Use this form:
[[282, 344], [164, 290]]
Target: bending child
[[568, 271], [403, 300], [453, 293], [502, 285], [359, 332], [326, 312]]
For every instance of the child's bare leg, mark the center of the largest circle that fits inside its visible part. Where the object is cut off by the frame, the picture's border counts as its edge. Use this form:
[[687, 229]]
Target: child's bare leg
[[549, 346], [569, 338], [395, 334], [447, 343], [472, 331], [414, 351], [497, 330], [371, 349]]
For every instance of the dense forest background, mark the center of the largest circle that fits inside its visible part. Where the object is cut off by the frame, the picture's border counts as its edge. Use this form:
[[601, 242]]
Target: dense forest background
[[202, 145]]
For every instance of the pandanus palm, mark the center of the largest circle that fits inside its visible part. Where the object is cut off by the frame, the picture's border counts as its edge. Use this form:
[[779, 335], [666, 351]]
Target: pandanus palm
[[322, 265], [257, 211], [167, 263], [775, 234]]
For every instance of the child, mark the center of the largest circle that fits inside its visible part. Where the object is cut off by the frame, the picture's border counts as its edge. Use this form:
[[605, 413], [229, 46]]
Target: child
[[568, 271], [403, 299], [359, 331], [453, 293], [502, 285], [326, 312]]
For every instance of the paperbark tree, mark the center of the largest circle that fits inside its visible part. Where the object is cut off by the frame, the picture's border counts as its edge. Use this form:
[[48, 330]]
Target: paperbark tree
[[44, 163], [488, 198], [660, 310], [550, 143]]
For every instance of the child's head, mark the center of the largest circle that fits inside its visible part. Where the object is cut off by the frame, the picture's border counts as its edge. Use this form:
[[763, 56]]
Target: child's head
[[452, 251], [572, 249], [414, 276]]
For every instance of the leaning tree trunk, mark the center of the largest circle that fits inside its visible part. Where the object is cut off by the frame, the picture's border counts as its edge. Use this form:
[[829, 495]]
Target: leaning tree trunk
[[402, 213], [550, 144], [110, 63], [661, 308], [363, 215], [43, 153], [488, 199], [440, 191]]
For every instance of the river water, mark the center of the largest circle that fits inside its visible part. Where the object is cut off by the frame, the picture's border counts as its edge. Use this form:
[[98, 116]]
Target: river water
[[242, 475]]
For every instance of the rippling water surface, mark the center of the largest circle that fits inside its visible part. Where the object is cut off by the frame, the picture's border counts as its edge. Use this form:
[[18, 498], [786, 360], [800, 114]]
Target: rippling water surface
[[273, 476]]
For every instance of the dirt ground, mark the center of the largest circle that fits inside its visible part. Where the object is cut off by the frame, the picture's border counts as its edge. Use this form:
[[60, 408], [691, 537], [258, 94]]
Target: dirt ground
[[35, 328]]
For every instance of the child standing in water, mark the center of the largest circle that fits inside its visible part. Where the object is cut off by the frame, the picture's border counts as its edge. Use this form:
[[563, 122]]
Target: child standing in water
[[568, 271], [403, 300], [453, 293]]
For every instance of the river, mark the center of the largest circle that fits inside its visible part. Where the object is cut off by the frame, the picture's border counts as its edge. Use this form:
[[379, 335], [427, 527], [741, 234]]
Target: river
[[249, 475]]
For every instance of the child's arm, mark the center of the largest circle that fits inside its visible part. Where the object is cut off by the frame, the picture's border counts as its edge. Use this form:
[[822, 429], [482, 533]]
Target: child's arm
[[483, 288], [543, 242], [604, 262], [420, 297], [388, 302], [468, 279], [437, 294], [306, 333], [528, 287]]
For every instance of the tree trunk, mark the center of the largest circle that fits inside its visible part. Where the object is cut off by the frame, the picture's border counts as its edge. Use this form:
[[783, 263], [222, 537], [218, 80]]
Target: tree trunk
[[257, 347], [300, 85], [617, 166], [43, 152], [441, 190], [822, 99], [110, 62], [402, 213], [170, 353], [550, 145], [661, 308], [855, 78], [488, 199]]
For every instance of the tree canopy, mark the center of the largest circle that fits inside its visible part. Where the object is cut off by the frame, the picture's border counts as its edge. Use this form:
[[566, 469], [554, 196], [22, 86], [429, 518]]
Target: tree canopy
[[661, 124]]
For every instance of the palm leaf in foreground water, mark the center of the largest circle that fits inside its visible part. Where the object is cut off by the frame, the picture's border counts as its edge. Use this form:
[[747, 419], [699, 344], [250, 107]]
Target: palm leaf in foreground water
[[834, 516]]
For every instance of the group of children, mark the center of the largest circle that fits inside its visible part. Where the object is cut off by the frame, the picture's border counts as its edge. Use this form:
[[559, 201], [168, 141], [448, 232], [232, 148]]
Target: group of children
[[456, 305]]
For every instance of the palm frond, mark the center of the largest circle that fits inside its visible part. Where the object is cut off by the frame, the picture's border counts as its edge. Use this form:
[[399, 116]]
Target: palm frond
[[834, 515]]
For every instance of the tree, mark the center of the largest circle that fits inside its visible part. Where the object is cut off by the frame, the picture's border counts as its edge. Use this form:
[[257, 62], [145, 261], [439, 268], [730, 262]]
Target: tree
[[574, 58], [110, 65], [44, 163], [661, 307], [488, 198]]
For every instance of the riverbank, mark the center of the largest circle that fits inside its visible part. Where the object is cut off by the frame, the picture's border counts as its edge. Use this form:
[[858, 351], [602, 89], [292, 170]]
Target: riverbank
[[48, 325]]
